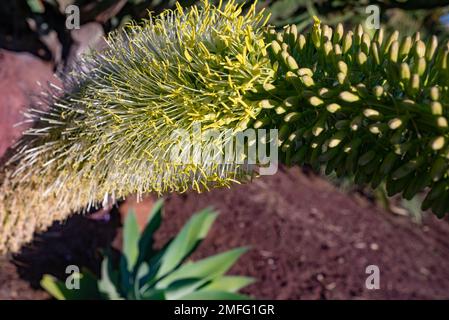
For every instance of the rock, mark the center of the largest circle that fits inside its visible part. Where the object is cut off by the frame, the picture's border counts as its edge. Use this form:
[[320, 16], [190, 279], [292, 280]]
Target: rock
[[88, 36], [20, 75]]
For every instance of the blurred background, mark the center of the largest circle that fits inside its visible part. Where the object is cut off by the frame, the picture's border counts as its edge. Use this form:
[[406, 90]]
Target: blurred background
[[311, 236]]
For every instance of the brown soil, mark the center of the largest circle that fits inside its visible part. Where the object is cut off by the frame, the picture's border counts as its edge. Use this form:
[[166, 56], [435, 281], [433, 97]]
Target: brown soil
[[310, 241]]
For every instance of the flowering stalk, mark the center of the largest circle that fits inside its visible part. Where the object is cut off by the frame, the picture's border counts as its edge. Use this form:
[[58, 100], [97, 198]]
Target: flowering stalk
[[373, 107]]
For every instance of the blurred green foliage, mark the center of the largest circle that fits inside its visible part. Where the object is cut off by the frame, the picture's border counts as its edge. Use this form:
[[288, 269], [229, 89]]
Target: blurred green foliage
[[407, 16], [143, 272]]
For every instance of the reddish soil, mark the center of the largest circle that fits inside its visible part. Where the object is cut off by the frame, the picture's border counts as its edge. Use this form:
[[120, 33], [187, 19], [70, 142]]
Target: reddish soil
[[308, 240]]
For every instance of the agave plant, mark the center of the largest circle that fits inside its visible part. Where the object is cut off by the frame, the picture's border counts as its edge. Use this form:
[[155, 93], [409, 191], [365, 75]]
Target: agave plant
[[145, 273], [374, 107]]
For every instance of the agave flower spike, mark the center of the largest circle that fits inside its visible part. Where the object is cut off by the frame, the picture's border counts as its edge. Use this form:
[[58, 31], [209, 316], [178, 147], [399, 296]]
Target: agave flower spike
[[109, 132]]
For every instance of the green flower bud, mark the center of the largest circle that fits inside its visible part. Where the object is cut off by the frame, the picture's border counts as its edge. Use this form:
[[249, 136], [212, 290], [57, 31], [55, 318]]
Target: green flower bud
[[262, 122], [305, 72], [359, 31], [392, 38], [327, 33], [347, 42], [301, 42], [280, 38], [420, 49], [443, 61], [343, 67], [416, 36], [405, 47], [434, 93], [431, 48], [366, 43], [379, 36], [327, 47], [362, 91], [337, 50], [333, 107], [339, 33], [341, 78], [293, 32], [442, 122], [318, 128], [325, 93], [356, 123], [291, 63], [276, 47], [395, 123], [280, 110], [371, 113], [348, 97], [267, 104], [437, 143], [315, 101], [337, 139], [377, 128], [316, 35], [307, 81], [361, 58], [405, 71], [375, 53], [269, 87], [420, 66], [291, 102], [414, 84], [292, 117], [394, 52], [378, 91]]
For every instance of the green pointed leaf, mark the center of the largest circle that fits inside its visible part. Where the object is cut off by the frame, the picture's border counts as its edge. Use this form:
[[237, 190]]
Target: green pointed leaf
[[89, 286], [153, 294], [55, 287], [148, 281], [109, 281], [208, 268], [215, 295], [183, 287], [187, 240], [147, 238], [131, 237], [125, 276], [142, 272], [228, 284]]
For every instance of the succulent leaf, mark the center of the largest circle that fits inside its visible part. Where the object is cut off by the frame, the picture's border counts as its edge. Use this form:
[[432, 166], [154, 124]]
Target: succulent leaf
[[163, 276]]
